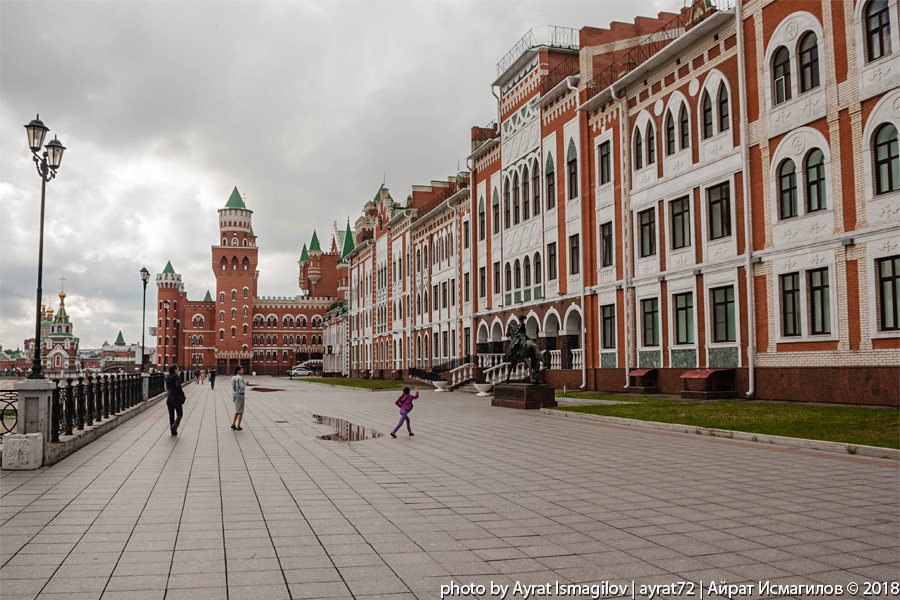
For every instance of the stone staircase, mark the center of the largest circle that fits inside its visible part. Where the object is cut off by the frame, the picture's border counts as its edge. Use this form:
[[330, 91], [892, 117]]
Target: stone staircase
[[467, 388]]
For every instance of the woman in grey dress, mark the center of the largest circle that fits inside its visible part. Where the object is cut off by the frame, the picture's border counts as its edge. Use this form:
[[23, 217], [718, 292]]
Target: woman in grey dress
[[237, 392]]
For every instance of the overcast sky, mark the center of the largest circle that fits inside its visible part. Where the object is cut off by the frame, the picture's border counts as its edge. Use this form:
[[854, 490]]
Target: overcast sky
[[166, 106]]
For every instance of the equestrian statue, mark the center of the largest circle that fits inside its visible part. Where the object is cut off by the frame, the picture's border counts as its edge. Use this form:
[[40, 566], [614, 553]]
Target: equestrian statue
[[521, 349]]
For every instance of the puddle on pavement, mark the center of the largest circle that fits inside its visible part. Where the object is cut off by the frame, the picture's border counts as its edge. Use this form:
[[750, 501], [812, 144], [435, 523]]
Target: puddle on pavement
[[345, 431], [263, 389]]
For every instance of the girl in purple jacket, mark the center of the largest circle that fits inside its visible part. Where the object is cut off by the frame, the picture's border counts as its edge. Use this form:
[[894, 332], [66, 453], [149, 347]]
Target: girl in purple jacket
[[405, 402]]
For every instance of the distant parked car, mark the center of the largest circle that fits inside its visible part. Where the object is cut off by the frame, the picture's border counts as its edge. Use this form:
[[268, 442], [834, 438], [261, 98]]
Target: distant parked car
[[300, 372]]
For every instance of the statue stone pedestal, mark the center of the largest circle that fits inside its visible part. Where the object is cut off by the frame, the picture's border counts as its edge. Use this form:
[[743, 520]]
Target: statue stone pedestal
[[524, 396]]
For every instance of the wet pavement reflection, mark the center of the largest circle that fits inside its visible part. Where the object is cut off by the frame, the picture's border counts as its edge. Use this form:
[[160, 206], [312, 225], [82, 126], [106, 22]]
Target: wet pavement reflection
[[345, 431]]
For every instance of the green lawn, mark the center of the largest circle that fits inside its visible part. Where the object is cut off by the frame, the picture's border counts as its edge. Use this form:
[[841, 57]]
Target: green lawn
[[845, 424], [369, 384]]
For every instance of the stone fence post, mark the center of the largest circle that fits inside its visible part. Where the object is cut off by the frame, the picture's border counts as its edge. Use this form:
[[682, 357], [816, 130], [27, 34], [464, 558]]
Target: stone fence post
[[145, 386], [34, 417]]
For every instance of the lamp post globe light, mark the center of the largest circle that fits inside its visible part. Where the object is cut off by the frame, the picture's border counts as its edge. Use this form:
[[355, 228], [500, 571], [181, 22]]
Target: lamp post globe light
[[145, 277], [166, 341], [47, 164]]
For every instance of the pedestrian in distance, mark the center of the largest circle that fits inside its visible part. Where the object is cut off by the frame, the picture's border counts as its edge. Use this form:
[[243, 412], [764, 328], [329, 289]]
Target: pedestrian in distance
[[405, 402], [212, 379], [237, 392], [174, 398], [202, 376]]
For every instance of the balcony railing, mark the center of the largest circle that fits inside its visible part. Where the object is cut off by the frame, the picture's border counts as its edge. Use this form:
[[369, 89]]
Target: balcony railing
[[567, 67], [549, 35], [653, 43]]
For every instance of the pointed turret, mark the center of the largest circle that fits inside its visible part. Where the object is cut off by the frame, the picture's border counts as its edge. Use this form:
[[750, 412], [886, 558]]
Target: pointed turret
[[304, 255], [235, 200], [169, 268], [314, 244], [348, 242], [208, 297], [120, 341]]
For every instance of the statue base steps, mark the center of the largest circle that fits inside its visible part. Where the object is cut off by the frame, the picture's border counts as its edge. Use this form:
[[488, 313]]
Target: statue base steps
[[524, 396]]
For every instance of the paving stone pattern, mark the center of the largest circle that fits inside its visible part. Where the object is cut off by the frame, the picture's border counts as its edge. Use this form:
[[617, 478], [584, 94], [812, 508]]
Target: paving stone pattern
[[480, 494]]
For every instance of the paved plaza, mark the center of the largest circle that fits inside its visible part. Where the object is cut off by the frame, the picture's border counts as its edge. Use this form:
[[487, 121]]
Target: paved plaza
[[479, 495]]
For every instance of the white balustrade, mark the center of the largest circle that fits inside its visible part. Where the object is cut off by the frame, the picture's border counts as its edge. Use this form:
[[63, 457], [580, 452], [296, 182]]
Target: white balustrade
[[497, 373], [556, 359], [462, 374], [577, 357]]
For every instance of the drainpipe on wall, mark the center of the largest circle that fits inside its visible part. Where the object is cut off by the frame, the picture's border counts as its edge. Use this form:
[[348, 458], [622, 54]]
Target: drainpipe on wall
[[625, 149], [494, 94], [583, 278], [748, 228]]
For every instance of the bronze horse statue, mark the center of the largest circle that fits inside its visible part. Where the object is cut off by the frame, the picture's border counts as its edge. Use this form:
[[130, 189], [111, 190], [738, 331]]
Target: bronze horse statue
[[523, 350]]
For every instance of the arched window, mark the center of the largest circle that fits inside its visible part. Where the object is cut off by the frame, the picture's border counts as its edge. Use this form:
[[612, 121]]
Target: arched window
[[245, 311], [638, 150], [526, 205], [537, 268], [506, 204], [222, 297], [815, 181], [233, 314], [246, 263], [550, 176], [781, 75], [809, 62], [878, 29], [651, 144], [221, 316], [224, 242], [193, 340], [508, 276], [518, 271], [245, 329], [304, 340], [482, 220], [234, 241], [572, 165], [670, 134], [291, 339], [887, 164], [245, 242], [201, 340], [526, 263], [246, 291], [221, 334], [255, 339], [685, 127], [724, 121], [234, 264], [787, 190], [284, 340], [707, 111], [516, 200]]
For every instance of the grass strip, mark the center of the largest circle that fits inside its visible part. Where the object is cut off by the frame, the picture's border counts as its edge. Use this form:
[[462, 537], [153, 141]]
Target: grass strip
[[854, 425], [369, 384]]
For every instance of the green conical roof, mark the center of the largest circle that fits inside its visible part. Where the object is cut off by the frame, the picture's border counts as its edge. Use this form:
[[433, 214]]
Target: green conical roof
[[121, 339], [314, 244], [304, 256], [208, 297], [235, 200], [377, 197], [348, 242], [251, 231], [169, 268]]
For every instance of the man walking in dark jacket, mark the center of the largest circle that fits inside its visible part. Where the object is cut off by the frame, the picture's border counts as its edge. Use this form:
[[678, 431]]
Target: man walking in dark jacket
[[174, 398]]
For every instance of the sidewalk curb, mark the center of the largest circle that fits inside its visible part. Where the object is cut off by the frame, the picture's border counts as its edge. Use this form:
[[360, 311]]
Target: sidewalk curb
[[343, 387], [761, 438]]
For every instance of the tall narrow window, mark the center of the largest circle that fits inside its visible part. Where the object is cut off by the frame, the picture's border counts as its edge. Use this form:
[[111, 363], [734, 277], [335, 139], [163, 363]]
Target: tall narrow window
[[723, 314], [685, 127], [506, 204], [809, 62], [606, 245], [719, 211], [819, 302], [551, 261], [482, 282], [651, 144], [538, 273], [684, 318], [638, 150], [496, 215], [790, 304], [526, 205], [670, 134], [878, 29], [815, 181], [573, 176], [887, 163], [888, 293], [681, 223], [608, 312], [781, 75], [724, 120], [516, 200], [518, 273], [536, 188], [509, 283], [787, 190], [647, 220], [574, 255], [481, 221], [551, 184], [707, 116], [496, 277], [465, 237], [526, 265], [649, 314], [605, 164]]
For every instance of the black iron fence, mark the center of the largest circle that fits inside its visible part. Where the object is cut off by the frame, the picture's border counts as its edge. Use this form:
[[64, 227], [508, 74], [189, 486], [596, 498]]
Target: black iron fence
[[79, 402], [10, 411]]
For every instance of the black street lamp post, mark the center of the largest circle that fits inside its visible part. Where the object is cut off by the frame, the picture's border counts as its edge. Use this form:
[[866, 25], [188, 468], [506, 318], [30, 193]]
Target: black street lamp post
[[47, 164], [166, 341], [145, 277]]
